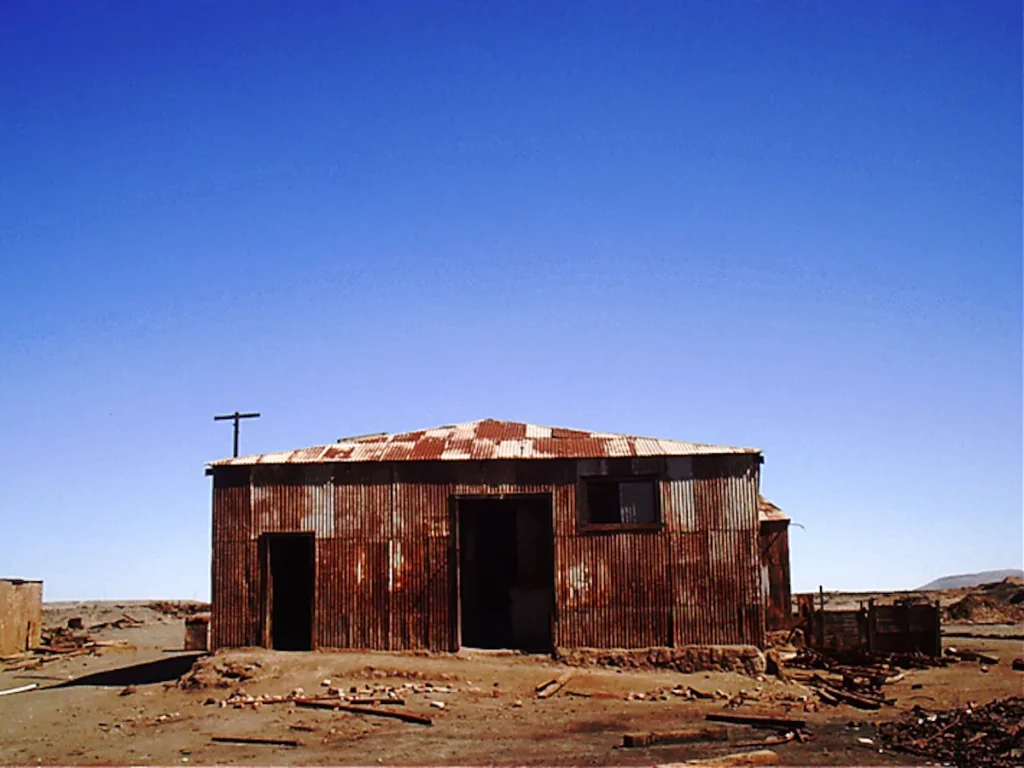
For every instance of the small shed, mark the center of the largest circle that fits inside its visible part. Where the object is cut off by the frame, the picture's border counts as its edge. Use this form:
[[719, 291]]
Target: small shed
[[489, 534], [21, 615]]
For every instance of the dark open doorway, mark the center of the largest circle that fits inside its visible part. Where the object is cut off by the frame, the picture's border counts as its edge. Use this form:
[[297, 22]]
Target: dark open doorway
[[289, 563], [506, 572]]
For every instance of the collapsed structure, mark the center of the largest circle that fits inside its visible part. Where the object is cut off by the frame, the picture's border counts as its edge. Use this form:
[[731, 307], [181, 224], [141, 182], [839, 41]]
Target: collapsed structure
[[495, 534]]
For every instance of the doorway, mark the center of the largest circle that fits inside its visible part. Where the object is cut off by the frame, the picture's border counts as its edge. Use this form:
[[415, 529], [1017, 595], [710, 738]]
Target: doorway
[[506, 573], [289, 563]]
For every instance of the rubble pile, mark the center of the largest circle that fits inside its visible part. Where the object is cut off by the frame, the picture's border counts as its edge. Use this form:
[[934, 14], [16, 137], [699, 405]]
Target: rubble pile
[[366, 694], [991, 736], [745, 659], [808, 658], [212, 673], [982, 609], [855, 677], [178, 609], [1001, 602], [408, 674]]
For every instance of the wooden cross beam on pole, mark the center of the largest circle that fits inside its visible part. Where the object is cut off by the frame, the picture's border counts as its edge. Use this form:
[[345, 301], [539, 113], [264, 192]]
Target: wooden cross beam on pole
[[236, 417]]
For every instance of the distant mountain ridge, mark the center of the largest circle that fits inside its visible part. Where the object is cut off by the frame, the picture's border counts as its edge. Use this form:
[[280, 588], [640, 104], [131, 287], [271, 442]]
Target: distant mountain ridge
[[972, 579]]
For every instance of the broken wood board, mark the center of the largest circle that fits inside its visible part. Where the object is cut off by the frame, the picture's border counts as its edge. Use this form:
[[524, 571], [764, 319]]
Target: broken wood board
[[771, 741], [256, 740], [594, 695], [737, 759], [861, 702], [758, 721], [551, 687]]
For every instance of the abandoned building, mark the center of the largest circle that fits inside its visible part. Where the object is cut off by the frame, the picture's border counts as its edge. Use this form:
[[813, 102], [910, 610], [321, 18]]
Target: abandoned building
[[494, 534], [21, 615]]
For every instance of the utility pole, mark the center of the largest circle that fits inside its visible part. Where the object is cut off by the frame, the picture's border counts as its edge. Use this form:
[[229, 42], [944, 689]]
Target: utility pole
[[236, 417]]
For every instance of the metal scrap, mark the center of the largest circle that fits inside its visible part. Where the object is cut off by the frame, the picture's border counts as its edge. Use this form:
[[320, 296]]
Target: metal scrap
[[990, 736]]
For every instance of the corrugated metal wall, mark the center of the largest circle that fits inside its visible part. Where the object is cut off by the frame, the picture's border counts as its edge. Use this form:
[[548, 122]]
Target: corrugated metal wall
[[774, 546], [384, 551]]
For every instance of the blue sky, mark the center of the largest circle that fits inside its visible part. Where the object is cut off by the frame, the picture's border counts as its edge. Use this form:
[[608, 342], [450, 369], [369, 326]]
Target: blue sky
[[795, 226]]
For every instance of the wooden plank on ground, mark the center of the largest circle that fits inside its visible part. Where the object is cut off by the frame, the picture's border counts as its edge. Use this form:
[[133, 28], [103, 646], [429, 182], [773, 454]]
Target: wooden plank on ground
[[550, 688], [680, 736], [399, 714], [757, 757], [257, 740]]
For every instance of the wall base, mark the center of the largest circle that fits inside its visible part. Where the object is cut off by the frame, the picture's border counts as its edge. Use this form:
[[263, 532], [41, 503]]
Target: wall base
[[745, 659]]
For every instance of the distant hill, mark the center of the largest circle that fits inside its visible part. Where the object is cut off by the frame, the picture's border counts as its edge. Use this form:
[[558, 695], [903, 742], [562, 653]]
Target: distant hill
[[972, 579]]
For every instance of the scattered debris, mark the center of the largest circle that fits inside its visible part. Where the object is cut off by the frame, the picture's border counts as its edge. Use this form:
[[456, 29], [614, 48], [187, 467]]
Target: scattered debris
[[990, 736], [75, 622], [437, 704], [256, 740], [178, 609], [120, 623]]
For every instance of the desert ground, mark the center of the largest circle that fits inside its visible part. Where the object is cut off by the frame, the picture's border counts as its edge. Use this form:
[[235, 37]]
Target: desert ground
[[143, 700]]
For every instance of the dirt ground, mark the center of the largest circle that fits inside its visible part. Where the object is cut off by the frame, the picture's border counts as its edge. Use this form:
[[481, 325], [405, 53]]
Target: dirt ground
[[491, 717]]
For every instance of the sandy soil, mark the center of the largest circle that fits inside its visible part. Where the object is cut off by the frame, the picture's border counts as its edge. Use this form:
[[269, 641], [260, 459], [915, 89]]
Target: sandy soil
[[71, 720]]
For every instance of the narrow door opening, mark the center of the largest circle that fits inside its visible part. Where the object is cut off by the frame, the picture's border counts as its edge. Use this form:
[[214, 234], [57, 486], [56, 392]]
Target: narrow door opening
[[506, 573], [290, 561]]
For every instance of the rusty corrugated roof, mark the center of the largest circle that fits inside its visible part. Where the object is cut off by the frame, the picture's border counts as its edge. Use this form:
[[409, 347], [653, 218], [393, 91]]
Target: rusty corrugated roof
[[766, 511], [484, 439]]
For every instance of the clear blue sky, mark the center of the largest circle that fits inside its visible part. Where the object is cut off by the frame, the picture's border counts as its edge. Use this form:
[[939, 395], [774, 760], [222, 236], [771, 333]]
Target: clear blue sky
[[788, 225]]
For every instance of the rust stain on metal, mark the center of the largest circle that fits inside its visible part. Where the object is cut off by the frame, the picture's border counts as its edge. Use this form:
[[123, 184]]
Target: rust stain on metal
[[773, 544], [486, 439]]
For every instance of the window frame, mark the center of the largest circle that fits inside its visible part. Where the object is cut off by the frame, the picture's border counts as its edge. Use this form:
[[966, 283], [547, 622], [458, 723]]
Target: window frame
[[583, 509]]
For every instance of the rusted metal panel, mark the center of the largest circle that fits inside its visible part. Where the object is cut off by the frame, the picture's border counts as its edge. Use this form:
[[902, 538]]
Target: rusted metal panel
[[774, 552], [232, 504], [766, 511], [384, 549], [725, 493], [21, 615], [719, 598], [613, 591], [235, 616], [486, 439]]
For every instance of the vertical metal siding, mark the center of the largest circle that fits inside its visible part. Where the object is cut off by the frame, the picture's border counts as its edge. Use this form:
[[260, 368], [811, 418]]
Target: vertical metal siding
[[774, 550], [384, 551]]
